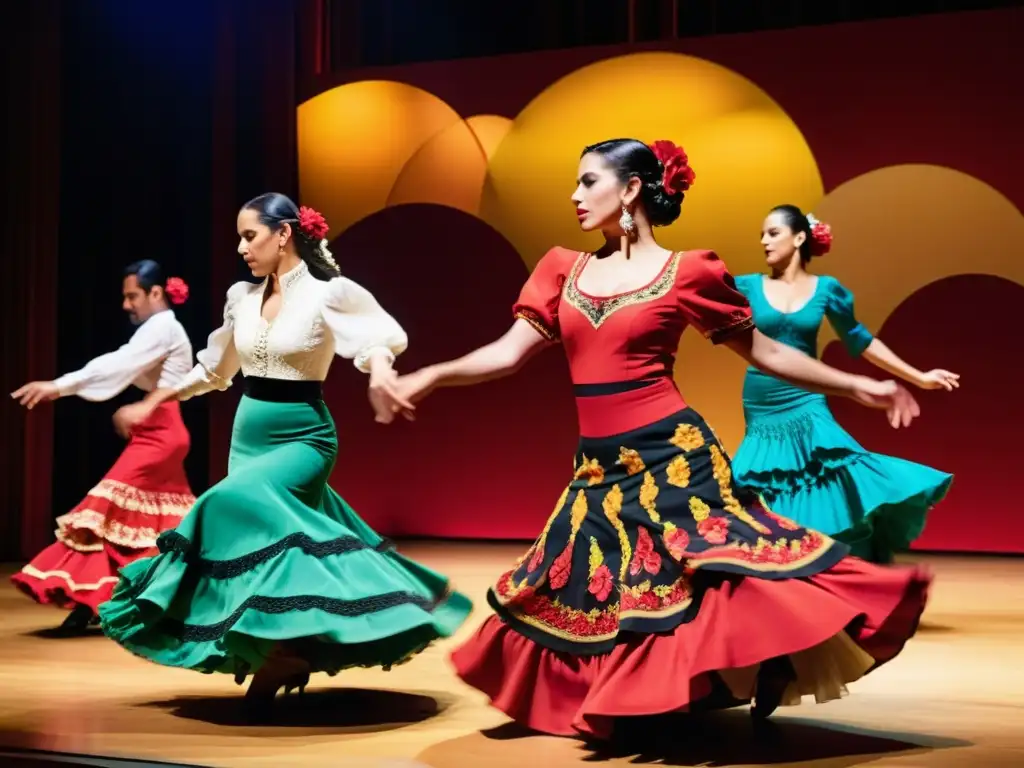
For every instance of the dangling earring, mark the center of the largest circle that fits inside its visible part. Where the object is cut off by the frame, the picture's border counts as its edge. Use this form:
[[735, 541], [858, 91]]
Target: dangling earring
[[626, 221]]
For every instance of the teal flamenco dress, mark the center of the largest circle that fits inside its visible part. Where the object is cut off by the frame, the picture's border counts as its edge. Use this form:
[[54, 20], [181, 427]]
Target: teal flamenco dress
[[803, 464], [271, 554]]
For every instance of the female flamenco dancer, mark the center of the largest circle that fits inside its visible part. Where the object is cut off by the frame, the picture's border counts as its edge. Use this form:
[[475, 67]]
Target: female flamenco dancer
[[146, 491], [272, 572], [794, 453], [656, 586]]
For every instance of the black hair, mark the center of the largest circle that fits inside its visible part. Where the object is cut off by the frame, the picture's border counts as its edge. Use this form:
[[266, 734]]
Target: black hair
[[797, 221], [629, 158], [148, 273], [274, 210]]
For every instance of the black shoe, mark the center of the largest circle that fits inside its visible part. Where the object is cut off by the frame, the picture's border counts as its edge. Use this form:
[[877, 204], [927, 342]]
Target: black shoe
[[77, 621]]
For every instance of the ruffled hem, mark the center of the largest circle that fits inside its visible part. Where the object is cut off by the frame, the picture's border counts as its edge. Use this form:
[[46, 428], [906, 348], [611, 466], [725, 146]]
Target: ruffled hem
[[874, 503], [66, 578], [227, 616], [834, 627], [123, 515]]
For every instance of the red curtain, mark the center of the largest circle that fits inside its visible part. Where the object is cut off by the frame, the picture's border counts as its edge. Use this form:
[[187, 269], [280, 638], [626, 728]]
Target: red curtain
[[30, 214], [254, 148]]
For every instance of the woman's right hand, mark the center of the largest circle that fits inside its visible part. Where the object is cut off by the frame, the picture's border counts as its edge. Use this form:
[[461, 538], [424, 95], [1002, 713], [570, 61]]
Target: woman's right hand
[[900, 406]]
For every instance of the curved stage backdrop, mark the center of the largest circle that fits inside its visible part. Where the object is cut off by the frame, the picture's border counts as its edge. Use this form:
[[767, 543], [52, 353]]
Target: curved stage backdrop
[[445, 183]]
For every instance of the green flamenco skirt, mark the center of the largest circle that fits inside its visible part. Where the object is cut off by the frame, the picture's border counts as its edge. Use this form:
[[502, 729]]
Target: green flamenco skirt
[[270, 554], [809, 469]]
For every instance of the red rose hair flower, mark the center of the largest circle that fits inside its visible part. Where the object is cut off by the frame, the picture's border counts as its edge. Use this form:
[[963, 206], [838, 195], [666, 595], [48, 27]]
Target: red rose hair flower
[[678, 176], [312, 223], [821, 236], [176, 290]]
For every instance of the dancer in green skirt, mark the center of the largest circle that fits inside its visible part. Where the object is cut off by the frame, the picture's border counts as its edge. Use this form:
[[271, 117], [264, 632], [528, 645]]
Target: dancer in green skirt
[[272, 573]]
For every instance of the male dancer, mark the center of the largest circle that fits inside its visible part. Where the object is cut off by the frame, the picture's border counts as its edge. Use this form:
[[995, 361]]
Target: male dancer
[[146, 491]]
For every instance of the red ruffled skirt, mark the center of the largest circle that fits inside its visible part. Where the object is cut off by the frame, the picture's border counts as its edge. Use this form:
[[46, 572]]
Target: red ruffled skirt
[[145, 493], [834, 627], [657, 586]]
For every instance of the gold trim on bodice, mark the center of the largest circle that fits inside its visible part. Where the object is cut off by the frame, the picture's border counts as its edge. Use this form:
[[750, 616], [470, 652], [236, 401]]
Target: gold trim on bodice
[[597, 310]]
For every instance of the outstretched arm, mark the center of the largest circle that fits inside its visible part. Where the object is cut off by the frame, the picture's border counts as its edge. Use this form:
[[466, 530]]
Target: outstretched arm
[[881, 356], [106, 376], [792, 365], [496, 360], [859, 341], [711, 302]]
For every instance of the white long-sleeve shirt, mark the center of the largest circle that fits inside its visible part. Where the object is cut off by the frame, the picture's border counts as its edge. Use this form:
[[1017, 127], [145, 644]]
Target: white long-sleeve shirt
[[316, 321], [157, 355]]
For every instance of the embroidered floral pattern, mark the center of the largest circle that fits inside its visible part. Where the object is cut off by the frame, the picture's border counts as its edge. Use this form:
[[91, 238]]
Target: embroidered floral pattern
[[560, 620], [676, 541], [558, 574], [536, 553], [590, 471], [687, 438], [782, 552], [644, 598], [631, 460], [720, 467], [679, 472], [601, 583], [699, 509], [645, 558], [648, 494], [598, 310], [612, 506], [537, 322], [675, 516], [714, 529]]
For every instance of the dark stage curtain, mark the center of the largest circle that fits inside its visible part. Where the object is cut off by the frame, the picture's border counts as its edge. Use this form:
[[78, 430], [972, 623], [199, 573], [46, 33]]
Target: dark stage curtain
[[31, 152], [158, 119]]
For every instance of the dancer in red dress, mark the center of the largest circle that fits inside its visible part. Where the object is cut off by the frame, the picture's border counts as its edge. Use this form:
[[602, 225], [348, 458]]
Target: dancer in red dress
[[658, 586], [146, 491]]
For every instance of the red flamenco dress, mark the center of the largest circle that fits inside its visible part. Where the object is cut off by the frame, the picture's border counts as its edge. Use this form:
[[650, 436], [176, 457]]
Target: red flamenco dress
[[656, 585], [143, 494]]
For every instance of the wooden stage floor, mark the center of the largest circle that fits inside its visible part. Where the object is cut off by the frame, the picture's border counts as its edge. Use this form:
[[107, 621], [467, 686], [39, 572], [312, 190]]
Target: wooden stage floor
[[954, 698]]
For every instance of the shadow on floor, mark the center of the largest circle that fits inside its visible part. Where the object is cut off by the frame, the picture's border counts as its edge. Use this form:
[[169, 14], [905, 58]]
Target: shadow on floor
[[722, 739]]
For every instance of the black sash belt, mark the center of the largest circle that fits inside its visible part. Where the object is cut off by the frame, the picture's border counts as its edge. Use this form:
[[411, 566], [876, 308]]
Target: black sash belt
[[282, 390], [613, 387]]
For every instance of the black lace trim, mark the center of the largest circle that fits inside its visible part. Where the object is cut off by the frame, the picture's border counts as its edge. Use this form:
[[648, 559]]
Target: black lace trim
[[198, 633], [172, 541]]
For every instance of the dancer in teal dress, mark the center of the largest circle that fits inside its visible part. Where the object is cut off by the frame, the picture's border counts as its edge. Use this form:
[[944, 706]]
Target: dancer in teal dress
[[794, 453], [272, 572]]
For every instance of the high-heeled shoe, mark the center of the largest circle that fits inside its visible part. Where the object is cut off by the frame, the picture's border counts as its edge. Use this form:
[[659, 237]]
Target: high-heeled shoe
[[279, 672], [77, 620], [298, 681], [773, 678]]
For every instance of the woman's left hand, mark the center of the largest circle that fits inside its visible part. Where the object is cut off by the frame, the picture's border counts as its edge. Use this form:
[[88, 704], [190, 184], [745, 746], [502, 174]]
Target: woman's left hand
[[385, 398], [940, 379]]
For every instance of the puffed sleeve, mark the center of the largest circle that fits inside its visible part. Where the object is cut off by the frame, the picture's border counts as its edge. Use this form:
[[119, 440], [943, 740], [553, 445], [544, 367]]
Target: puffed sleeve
[[540, 298], [709, 297], [839, 310], [108, 375], [218, 361], [360, 326]]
